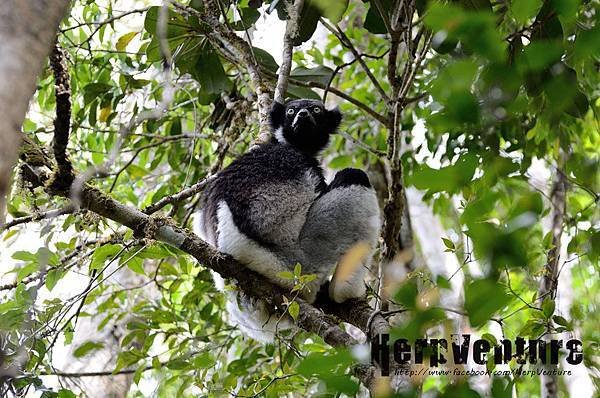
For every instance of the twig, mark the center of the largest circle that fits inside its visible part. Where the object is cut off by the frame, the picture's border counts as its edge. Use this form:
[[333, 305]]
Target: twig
[[341, 66], [178, 197], [39, 216], [346, 42], [361, 144], [311, 84]]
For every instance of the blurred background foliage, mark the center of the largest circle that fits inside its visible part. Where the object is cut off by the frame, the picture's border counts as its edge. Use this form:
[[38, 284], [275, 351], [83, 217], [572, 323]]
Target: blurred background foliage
[[505, 88]]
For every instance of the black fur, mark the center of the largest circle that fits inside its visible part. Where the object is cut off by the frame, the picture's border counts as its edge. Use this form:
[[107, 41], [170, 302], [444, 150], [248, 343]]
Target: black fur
[[273, 162], [311, 133], [348, 177], [269, 163]]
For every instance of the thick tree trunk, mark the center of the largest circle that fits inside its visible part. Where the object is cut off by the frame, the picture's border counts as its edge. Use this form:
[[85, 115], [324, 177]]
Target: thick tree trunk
[[27, 32]]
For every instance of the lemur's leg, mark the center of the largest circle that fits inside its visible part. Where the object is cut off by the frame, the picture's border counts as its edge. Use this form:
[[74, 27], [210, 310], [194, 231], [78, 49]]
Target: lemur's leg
[[346, 215]]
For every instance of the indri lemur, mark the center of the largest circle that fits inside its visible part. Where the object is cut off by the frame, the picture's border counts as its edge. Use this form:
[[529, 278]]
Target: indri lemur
[[272, 208]]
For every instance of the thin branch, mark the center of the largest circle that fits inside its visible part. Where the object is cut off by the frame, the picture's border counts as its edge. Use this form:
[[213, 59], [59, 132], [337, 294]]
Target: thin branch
[[291, 32], [342, 66], [38, 216], [361, 144], [346, 42], [549, 281], [384, 15], [178, 197], [311, 84], [102, 23]]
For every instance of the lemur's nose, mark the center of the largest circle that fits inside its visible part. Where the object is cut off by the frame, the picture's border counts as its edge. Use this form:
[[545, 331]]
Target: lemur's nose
[[303, 113]]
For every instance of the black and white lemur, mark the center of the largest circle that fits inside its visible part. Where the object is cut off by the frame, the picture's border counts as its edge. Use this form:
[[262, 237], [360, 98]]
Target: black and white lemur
[[271, 209]]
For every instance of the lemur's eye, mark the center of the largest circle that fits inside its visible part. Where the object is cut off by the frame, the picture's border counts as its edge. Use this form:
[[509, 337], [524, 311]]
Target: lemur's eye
[[316, 109], [290, 111]]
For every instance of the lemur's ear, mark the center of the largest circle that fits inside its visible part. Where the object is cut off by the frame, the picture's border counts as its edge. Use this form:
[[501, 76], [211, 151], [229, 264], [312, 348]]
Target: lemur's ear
[[333, 117], [277, 115]]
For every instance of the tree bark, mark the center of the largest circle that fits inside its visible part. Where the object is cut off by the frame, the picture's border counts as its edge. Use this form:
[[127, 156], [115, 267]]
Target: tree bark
[[27, 32], [549, 282]]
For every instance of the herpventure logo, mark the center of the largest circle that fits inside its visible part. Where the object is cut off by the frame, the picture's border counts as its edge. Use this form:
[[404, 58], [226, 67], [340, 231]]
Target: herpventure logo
[[438, 352]]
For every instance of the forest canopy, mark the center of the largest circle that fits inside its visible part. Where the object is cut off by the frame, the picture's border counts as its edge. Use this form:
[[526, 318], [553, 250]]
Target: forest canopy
[[477, 122]]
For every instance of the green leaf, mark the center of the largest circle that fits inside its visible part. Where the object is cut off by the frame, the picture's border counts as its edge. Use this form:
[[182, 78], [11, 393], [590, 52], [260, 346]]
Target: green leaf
[[406, 295], [331, 9], [548, 306], [491, 338], [86, 348], [294, 310], [319, 74], [248, 16], [127, 358], [587, 44], [204, 361], [265, 59], [136, 264], [324, 364], [340, 162], [524, 10], [102, 253], [448, 243], [63, 393], [442, 282], [373, 21], [560, 321], [449, 179], [476, 30], [27, 270], [295, 91], [210, 74], [286, 275], [125, 40], [483, 298], [52, 278], [176, 24], [178, 364], [25, 256], [309, 17]]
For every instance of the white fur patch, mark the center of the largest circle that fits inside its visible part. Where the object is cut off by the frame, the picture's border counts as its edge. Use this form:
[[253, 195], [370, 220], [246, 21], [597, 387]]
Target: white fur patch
[[255, 320], [279, 136], [233, 242]]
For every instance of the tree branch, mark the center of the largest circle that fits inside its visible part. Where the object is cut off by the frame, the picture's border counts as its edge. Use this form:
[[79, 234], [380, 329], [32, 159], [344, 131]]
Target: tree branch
[[27, 32], [291, 32], [255, 285], [311, 84], [237, 46], [62, 121], [36, 217], [178, 197], [346, 42]]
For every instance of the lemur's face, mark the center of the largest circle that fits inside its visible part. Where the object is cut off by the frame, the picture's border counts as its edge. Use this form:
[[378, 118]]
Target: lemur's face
[[304, 123]]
